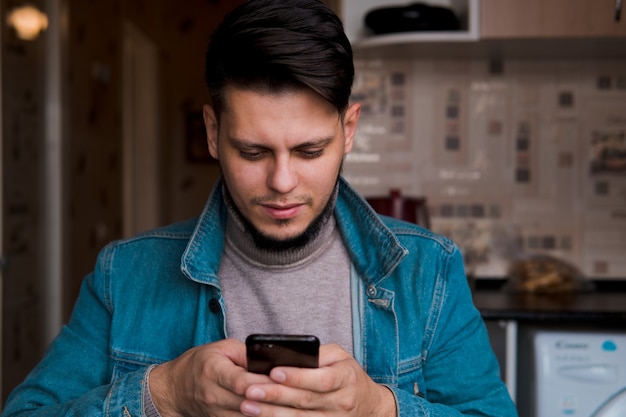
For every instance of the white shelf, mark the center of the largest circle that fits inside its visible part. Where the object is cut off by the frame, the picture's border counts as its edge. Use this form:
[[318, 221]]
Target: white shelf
[[409, 38], [354, 11]]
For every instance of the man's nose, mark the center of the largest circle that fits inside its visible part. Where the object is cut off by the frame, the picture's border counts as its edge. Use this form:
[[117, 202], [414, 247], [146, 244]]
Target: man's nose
[[282, 177]]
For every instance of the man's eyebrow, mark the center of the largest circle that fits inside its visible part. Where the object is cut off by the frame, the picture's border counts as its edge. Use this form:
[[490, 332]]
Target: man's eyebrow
[[244, 143], [322, 141]]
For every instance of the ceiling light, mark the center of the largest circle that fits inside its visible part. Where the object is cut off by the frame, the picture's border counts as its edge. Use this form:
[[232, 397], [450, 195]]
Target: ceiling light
[[28, 21]]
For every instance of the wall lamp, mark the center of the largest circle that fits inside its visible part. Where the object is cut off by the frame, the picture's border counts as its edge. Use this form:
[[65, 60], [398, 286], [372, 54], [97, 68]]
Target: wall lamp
[[28, 21]]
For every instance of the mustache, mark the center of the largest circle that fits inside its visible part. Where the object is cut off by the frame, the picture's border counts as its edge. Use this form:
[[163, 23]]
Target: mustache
[[275, 199]]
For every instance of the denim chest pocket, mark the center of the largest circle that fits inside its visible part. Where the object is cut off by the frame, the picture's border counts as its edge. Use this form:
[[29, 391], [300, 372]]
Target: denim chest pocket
[[411, 376], [124, 363]]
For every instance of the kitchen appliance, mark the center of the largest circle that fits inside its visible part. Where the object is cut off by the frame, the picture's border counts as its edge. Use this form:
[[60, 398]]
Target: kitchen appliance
[[411, 18], [579, 374], [411, 209]]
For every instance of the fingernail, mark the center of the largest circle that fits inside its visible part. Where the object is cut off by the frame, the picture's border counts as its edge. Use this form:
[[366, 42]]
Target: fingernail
[[279, 376], [256, 393], [250, 409]]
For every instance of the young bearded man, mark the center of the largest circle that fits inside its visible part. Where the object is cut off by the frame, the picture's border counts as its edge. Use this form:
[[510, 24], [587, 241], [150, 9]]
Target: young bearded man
[[284, 245]]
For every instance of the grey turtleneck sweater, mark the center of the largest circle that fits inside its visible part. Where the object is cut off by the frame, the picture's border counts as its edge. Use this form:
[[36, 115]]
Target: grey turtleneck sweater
[[299, 291]]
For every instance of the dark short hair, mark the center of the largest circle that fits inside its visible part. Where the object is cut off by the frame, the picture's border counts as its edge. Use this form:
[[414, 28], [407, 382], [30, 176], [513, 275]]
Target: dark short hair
[[280, 45]]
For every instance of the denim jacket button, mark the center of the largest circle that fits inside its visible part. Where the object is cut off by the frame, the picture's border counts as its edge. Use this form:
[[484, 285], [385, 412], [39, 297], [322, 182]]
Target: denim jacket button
[[214, 306], [371, 291]]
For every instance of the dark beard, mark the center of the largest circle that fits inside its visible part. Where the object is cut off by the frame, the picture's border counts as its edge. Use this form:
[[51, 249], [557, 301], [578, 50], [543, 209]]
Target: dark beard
[[272, 244]]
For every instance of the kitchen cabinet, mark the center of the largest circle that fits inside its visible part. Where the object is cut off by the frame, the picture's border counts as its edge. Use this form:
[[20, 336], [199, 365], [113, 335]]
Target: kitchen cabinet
[[550, 19], [526, 29]]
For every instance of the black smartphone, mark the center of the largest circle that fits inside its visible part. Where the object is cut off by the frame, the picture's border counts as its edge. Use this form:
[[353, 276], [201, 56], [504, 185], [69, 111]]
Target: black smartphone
[[266, 351]]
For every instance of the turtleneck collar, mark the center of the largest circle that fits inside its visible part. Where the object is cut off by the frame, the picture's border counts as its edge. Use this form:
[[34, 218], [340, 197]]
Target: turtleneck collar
[[241, 241]]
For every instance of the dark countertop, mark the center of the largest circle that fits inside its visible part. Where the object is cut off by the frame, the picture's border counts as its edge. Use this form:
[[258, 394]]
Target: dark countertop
[[604, 306]]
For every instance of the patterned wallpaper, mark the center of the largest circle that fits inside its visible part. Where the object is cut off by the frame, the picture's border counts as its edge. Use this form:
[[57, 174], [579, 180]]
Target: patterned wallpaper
[[516, 157]]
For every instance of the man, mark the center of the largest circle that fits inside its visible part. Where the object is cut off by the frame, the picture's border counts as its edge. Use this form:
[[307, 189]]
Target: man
[[283, 245]]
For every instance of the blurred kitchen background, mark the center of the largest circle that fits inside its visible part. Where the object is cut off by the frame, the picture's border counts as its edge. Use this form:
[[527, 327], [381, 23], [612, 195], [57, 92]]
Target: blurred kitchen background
[[511, 126]]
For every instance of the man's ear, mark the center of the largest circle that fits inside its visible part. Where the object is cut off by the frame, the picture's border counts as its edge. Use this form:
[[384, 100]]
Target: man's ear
[[350, 121], [210, 124]]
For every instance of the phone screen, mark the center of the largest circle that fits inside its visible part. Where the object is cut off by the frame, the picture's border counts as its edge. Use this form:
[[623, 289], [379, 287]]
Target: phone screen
[[266, 351]]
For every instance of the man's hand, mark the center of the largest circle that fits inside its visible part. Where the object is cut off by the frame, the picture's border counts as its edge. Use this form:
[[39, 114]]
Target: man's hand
[[338, 388], [208, 380]]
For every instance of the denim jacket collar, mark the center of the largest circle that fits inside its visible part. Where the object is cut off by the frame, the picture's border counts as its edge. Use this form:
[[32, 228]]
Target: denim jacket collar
[[201, 259], [373, 248]]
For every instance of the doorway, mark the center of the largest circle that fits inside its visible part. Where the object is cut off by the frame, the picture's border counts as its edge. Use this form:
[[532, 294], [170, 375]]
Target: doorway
[[141, 133]]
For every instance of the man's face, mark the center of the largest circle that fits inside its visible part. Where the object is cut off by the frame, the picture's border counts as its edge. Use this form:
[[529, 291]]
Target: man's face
[[280, 155]]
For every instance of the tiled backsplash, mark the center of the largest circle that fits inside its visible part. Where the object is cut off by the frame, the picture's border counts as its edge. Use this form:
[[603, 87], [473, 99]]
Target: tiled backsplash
[[514, 157]]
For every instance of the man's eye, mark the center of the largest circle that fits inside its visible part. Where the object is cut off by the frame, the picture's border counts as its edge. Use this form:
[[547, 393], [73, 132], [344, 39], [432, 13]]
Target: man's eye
[[252, 156], [310, 154]]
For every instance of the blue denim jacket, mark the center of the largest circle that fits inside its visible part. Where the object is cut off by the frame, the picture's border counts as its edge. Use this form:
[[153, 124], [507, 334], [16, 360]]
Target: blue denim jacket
[[152, 297]]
